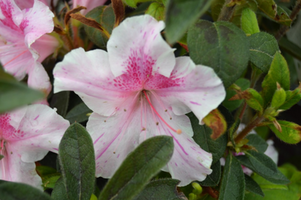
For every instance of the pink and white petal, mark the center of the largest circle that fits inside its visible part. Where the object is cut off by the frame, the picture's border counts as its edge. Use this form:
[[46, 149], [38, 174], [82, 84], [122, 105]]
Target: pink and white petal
[[201, 91], [39, 79], [142, 41], [10, 13], [22, 4], [44, 46], [114, 138], [12, 168], [88, 74], [89, 4], [37, 22], [39, 129], [10, 33]]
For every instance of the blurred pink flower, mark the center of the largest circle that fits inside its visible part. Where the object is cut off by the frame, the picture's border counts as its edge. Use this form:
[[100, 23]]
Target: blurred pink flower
[[89, 4], [137, 90], [23, 43], [26, 136]]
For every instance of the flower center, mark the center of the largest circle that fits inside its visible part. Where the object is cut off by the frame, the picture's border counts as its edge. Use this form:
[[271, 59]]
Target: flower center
[[179, 131]]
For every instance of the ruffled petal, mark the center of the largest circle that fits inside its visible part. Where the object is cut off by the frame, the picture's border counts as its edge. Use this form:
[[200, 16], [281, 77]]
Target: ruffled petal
[[142, 43], [197, 89], [38, 129], [44, 46], [88, 74]]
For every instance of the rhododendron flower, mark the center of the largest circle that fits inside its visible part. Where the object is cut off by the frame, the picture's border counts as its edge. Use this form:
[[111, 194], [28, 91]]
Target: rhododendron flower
[[137, 90], [26, 136], [89, 4], [23, 43]]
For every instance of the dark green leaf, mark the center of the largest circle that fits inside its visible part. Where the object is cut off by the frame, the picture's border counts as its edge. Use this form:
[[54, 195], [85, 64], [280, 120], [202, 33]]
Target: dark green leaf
[[77, 161], [216, 7], [291, 132], [180, 14], [79, 113], [105, 16], [20, 191], [160, 189], [214, 178], [263, 165], [138, 168], [278, 73], [290, 47], [59, 191], [257, 142], [252, 186], [202, 137], [220, 45], [15, 94], [263, 47], [60, 101], [233, 181]]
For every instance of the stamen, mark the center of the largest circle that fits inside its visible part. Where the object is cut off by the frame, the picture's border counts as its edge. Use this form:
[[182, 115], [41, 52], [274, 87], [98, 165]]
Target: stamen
[[179, 131]]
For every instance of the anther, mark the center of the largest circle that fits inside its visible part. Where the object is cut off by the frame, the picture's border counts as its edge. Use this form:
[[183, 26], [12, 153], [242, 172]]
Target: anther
[[157, 123], [105, 120], [124, 110]]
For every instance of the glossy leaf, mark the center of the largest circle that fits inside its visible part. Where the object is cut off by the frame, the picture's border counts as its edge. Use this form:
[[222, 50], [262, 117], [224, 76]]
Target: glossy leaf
[[252, 186], [138, 168], [291, 132], [263, 165], [20, 191], [263, 47], [233, 180], [77, 161], [79, 113], [278, 73], [161, 189], [213, 178], [249, 22], [220, 45], [180, 14]]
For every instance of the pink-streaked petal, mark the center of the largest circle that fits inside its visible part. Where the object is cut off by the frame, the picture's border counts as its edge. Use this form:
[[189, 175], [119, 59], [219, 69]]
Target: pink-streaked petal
[[22, 4], [142, 43], [89, 75], [89, 4], [12, 168], [38, 129], [44, 46], [199, 91], [10, 14], [37, 22], [39, 79]]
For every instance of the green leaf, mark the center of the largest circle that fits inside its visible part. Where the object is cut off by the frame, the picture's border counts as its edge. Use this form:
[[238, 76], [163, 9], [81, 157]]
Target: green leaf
[[253, 99], [290, 47], [257, 142], [180, 14], [60, 101], [213, 178], [249, 22], [138, 168], [49, 176], [263, 47], [156, 10], [221, 46], [77, 161], [202, 137], [59, 191], [233, 181], [291, 132], [279, 98], [292, 98], [232, 105], [160, 189], [269, 7], [133, 3], [216, 7], [278, 73], [15, 94], [105, 16], [263, 165], [283, 17], [20, 191], [79, 113], [252, 186]]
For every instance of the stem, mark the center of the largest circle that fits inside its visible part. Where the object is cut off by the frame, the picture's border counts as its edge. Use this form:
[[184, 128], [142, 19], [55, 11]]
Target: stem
[[248, 128], [283, 29], [226, 12]]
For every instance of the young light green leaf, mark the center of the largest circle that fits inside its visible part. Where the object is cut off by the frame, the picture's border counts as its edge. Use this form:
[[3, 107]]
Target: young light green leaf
[[233, 181], [254, 99], [161, 189], [263, 47], [291, 132], [283, 17], [16, 94], [292, 97], [263, 165], [220, 45], [278, 73], [156, 10], [180, 14], [20, 191], [79, 113], [279, 97], [252, 186], [269, 7], [77, 161], [133, 3], [138, 168], [49, 176], [214, 178], [249, 23]]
